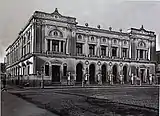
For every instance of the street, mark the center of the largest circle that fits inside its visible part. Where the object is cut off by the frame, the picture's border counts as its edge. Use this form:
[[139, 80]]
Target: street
[[116, 101]]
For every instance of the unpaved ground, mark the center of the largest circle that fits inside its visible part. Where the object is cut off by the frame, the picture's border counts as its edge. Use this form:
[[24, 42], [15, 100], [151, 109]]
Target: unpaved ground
[[65, 104]]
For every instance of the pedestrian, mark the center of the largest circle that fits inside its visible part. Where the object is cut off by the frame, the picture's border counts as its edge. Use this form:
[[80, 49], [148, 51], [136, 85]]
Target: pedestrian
[[150, 79], [132, 79], [86, 78], [99, 78], [110, 79], [68, 78], [121, 79]]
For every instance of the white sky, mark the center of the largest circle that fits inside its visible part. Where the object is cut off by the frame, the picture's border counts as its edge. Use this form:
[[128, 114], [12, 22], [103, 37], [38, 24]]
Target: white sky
[[115, 13]]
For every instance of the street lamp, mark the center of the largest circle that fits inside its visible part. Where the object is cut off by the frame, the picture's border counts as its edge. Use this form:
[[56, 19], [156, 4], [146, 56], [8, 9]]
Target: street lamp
[[87, 62], [42, 81], [99, 63]]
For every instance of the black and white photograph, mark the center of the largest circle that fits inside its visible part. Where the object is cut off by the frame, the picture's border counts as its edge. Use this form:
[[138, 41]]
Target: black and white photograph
[[80, 57]]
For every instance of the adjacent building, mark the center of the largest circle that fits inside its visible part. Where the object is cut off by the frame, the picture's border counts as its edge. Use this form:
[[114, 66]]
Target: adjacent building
[[158, 66], [2, 70], [60, 45]]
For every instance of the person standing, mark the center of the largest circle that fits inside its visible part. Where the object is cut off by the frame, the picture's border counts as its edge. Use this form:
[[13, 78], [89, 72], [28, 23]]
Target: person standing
[[132, 79], [110, 79], [68, 78], [150, 79]]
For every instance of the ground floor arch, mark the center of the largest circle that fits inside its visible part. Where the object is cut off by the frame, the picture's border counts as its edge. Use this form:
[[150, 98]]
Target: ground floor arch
[[91, 73], [55, 73], [104, 73], [115, 74], [125, 73], [79, 72]]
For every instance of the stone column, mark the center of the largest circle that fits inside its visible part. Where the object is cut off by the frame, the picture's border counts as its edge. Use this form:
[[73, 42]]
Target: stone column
[[106, 50], [149, 52], [46, 45], [83, 48], [59, 46], [130, 50], [120, 50], [138, 53], [67, 51], [64, 49], [50, 45]]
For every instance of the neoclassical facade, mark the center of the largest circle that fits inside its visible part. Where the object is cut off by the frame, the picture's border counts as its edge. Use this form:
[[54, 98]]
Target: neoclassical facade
[[60, 45]]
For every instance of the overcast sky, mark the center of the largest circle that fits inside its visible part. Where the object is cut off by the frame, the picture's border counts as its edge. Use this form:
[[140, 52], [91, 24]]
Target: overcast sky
[[115, 13]]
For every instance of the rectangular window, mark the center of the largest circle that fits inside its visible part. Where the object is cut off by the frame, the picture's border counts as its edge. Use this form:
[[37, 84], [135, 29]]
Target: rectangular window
[[62, 46], [114, 51], [103, 50], [48, 45], [141, 54], [79, 48], [124, 52], [91, 49], [55, 45]]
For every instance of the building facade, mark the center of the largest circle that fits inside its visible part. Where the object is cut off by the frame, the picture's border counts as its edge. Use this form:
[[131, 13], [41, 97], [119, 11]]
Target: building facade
[[158, 66], [60, 45]]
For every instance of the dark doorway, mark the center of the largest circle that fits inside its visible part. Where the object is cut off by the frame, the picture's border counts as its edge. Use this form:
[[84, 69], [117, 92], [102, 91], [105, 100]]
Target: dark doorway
[[79, 72], [114, 74], [104, 73], [55, 73], [142, 75], [92, 74], [148, 75], [125, 74]]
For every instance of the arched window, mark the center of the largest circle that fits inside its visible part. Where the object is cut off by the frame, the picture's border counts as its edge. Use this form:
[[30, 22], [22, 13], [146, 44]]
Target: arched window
[[142, 44], [47, 69], [125, 42], [79, 36], [55, 33], [92, 38], [104, 40]]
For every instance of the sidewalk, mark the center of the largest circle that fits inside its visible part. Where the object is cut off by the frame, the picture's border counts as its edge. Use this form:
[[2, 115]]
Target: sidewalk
[[15, 106], [91, 86]]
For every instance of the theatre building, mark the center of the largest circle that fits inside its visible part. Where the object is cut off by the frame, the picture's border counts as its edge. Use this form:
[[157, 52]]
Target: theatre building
[[60, 45]]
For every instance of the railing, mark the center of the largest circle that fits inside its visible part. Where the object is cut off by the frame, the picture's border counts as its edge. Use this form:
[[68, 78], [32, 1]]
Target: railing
[[54, 52]]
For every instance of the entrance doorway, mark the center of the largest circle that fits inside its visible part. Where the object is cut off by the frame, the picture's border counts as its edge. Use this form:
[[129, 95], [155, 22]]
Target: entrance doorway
[[92, 73], [125, 74], [142, 75], [79, 73], [55, 73], [104, 73], [114, 72]]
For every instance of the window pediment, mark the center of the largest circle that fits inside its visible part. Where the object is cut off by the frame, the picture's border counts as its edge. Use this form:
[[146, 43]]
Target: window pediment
[[55, 33], [141, 44]]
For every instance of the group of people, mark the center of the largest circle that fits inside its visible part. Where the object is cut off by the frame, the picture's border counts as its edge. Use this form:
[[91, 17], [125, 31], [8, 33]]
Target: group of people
[[133, 79]]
